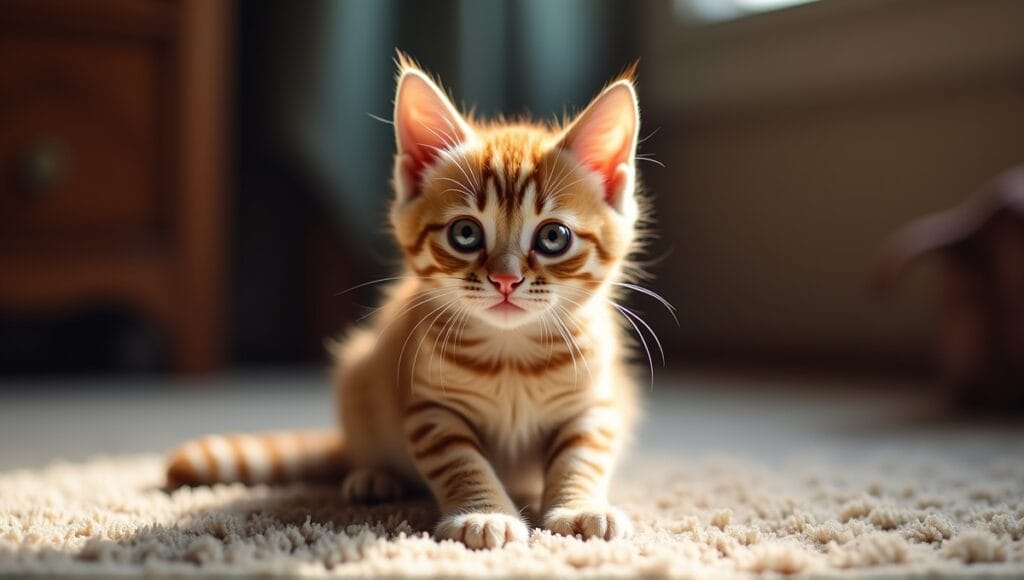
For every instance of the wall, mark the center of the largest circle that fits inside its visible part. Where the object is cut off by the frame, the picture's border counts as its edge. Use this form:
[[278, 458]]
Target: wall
[[796, 141]]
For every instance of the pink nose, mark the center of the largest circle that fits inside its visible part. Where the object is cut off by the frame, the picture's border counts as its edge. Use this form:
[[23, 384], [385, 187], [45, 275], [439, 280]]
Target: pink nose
[[505, 283]]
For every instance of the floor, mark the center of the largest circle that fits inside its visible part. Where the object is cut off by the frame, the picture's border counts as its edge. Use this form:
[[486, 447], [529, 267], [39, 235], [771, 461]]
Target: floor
[[733, 476], [769, 419]]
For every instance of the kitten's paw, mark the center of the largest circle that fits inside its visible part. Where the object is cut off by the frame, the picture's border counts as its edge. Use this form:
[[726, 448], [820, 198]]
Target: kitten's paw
[[364, 485], [603, 522], [483, 530]]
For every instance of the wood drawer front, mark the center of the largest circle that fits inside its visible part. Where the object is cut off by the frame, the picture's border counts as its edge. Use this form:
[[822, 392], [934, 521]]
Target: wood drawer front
[[78, 136]]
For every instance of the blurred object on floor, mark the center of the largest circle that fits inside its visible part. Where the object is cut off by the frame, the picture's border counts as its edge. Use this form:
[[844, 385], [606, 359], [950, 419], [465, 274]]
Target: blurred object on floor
[[794, 141], [981, 288], [113, 150]]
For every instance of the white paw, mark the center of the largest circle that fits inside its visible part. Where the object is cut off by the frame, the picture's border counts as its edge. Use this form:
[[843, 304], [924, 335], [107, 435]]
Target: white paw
[[603, 522], [364, 485], [483, 530]]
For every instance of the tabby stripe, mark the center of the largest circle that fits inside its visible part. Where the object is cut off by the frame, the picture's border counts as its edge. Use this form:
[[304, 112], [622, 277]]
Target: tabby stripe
[[275, 459], [598, 469], [428, 271], [239, 458], [255, 458], [417, 246], [497, 366], [558, 397], [188, 466], [448, 391], [602, 252], [440, 470], [570, 265], [462, 477], [577, 440], [447, 442], [289, 447], [223, 458], [421, 431], [447, 262], [422, 406]]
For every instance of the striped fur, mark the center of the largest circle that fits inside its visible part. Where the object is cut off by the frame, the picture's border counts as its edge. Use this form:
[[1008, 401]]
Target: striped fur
[[488, 407], [257, 458]]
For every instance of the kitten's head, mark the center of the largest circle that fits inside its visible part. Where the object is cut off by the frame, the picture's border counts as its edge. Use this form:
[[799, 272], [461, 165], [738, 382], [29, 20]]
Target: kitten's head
[[514, 219]]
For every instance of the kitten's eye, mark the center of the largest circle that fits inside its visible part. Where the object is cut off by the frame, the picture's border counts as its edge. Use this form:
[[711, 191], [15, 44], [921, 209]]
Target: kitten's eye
[[552, 239], [466, 235]]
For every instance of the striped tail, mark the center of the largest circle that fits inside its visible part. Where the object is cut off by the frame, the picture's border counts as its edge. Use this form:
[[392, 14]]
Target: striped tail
[[258, 458]]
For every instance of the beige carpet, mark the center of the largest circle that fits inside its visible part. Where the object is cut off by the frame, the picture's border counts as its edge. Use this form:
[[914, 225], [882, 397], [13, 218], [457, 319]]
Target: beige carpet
[[708, 519]]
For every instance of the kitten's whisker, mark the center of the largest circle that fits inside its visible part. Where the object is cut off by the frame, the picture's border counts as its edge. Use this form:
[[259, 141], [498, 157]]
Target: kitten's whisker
[[414, 301], [445, 333], [571, 344], [650, 360], [650, 160], [565, 189], [461, 319], [423, 338], [647, 291], [572, 355], [393, 278], [459, 188], [649, 135], [639, 319], [580, 329], [381, 119], [408, 308], [625, 313], [421, 293], [412, 332], [447, 152], [451, 126]]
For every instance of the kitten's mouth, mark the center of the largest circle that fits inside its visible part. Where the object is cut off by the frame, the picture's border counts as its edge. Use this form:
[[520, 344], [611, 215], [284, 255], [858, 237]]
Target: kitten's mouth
[[506, 306]]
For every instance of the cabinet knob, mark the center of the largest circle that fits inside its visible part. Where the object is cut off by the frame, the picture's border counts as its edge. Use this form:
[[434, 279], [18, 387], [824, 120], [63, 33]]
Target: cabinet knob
[[43, 166]]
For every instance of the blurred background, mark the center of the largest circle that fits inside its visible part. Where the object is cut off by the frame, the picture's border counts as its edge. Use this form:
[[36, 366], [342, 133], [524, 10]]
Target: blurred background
[[188, 185]]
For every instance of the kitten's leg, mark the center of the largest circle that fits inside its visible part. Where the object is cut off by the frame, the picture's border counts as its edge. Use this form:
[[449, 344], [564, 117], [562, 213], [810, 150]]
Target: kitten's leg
[[577, 475], [447, 453], [364, 484]]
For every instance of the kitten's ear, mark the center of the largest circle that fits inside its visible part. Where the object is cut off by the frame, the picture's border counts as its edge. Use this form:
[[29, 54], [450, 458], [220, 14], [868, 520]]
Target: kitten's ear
[[604, 138], [425, 124]]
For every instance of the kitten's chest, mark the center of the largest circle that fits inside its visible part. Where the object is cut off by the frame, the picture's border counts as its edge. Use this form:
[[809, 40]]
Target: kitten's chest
[[520, 402], [517, 387]]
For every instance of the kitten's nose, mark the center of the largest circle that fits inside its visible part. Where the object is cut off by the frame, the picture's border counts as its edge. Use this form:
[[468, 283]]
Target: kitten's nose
[[505, 283]]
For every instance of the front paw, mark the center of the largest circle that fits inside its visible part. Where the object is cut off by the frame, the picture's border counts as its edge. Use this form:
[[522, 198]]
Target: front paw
[[483, 530], [603, 522]]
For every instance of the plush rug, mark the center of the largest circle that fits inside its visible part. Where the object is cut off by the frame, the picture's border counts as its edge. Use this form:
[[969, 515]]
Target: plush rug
[[704, 519]]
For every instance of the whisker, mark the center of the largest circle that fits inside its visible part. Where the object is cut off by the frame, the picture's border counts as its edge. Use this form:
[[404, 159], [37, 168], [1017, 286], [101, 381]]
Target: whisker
[[393, 278], [579, 328], [647, 291], [381, 119], [401, 353], [650, 160], [629, 316], [650, 361]]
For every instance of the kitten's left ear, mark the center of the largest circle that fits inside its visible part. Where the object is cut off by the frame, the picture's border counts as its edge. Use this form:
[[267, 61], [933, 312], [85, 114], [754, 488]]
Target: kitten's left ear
[[604, 138]]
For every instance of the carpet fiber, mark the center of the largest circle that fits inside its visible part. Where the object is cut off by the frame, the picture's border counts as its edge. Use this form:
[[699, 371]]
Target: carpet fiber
[[707, 519]]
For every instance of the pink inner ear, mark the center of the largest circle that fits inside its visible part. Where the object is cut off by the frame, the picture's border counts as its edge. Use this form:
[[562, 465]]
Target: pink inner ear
[[604, 136], [425, 123]]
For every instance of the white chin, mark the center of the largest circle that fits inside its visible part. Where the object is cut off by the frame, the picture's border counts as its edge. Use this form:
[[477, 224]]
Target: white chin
[[506, 319]]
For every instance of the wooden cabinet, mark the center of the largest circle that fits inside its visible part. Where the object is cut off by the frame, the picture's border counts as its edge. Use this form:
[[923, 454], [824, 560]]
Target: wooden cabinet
[[112, 163]]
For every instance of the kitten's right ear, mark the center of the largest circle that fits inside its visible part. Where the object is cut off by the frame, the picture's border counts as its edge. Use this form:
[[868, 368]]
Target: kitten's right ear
[[426, 123]]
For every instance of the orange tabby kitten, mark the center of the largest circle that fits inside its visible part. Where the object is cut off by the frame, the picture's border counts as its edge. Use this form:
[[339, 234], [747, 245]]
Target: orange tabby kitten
[[495, 373]]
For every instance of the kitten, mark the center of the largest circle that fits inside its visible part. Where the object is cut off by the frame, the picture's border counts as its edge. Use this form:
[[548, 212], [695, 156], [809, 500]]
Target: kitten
[[495, 372]]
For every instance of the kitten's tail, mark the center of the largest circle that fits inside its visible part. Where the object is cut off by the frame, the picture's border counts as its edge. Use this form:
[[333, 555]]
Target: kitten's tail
[[258, 458]]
